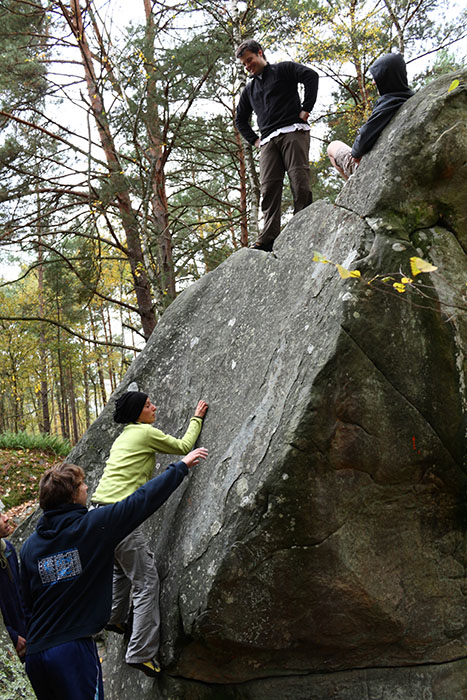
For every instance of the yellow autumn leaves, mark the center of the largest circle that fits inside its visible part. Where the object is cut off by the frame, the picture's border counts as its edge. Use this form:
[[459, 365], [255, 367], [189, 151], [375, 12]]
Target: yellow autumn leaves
[[344, 273], [417, 265]]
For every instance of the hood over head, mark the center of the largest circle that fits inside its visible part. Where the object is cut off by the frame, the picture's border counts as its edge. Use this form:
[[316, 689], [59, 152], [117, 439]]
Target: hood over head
[[58, 519], [390, 74]]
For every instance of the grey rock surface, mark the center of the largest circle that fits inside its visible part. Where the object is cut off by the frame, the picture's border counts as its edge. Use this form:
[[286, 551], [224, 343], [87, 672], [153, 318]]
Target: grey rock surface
[[320, 552], [431, 682], [14, 684]]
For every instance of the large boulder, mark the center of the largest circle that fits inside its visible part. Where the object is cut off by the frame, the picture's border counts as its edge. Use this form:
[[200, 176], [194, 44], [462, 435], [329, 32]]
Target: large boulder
[[320, 552]]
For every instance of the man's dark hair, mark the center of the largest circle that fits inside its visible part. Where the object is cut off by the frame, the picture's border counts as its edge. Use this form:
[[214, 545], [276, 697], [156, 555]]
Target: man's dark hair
[[249, 45], [58, 485]]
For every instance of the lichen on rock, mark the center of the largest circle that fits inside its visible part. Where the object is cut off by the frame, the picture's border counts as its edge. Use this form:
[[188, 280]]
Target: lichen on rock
[[14, 684]]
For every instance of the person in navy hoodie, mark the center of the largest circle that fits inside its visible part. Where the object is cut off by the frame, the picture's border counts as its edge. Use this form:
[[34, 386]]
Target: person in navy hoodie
[[11, 603], [66, 575], [390, 75]]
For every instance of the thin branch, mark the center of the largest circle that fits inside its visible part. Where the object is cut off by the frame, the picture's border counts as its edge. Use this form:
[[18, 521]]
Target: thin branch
[[35, 319]]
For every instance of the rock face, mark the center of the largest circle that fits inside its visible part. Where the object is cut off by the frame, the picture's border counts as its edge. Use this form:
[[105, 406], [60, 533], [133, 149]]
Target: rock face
[[14, 684], [320, 552]]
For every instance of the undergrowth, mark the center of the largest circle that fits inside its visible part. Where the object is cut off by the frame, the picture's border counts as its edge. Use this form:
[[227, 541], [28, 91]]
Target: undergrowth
[[24, 458], [35, 441]]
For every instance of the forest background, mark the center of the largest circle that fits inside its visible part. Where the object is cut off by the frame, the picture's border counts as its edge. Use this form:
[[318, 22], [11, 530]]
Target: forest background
[[123, 178]]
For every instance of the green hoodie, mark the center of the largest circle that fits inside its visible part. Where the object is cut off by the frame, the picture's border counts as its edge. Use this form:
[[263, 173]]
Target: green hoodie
[[133, 456]]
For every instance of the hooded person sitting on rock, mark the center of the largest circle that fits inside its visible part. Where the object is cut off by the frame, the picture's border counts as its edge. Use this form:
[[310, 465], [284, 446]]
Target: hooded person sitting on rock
[[390, 75], [130, 464]]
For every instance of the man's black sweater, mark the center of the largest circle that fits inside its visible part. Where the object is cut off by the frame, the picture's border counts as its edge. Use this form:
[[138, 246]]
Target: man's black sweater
[[273, 96]]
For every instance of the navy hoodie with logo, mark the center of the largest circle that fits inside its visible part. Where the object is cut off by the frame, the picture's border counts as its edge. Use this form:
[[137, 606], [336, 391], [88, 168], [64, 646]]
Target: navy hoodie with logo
[[390, 75], [66, 564]]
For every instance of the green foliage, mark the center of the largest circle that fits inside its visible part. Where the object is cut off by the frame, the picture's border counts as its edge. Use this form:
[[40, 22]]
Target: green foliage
[[22, 53], [445, 62], [36, 357], [23, 459], [35, 441]]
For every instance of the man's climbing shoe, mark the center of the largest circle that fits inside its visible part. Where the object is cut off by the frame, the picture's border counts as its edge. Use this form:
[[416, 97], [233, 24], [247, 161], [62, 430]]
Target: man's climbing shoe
[[150, 668], [266, 246], [118, 628]]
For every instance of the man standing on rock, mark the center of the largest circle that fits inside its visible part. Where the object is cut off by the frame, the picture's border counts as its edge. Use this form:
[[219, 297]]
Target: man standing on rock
[[131, 463], [390, 75], [282, 118], [66, 574]]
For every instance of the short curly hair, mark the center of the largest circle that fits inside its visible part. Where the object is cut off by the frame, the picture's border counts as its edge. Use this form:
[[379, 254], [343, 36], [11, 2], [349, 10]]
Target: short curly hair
[[58, 485]]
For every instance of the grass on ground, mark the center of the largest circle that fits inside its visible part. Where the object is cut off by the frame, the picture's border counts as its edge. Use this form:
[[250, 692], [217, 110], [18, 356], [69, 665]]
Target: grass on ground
[[35, 441]]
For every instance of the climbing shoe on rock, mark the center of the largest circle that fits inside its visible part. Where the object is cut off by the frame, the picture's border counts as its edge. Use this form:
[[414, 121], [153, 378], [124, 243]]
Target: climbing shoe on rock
[[266, 246], [150, 668]]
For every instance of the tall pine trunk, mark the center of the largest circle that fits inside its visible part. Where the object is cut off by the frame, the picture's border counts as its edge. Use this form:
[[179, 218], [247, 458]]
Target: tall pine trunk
[[128, 217], [44, 424]]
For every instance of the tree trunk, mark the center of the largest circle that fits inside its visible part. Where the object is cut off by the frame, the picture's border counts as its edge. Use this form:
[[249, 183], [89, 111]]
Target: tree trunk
[[243, 188], [106, 324], [87, 412], [61, 395], [248, 158], [128, 217], [357, 63], [166, 274], [100, 371], [44, 424], [96, 402], [72, 400], [14, 392], [397, 26]]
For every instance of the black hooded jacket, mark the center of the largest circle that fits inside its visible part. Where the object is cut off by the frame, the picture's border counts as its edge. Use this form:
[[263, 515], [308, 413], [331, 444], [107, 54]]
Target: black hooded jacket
[[390, 75]]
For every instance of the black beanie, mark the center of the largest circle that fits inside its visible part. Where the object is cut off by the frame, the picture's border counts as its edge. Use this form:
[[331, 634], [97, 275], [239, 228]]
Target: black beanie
[[129, 406]]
